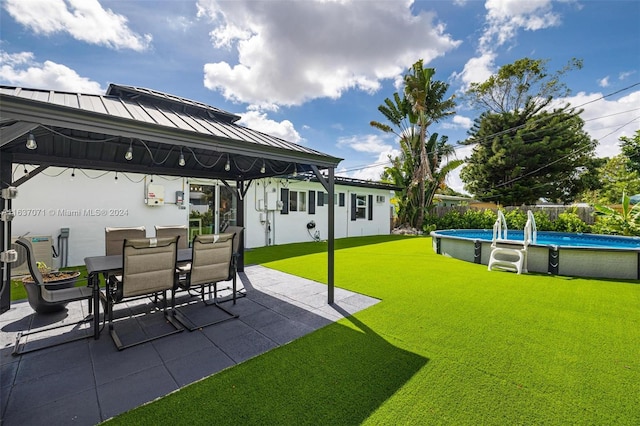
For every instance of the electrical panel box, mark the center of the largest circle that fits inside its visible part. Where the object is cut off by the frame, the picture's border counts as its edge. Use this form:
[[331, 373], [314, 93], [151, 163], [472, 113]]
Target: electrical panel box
[[155, 195], [180, 198], [41, 245], [272, 201]]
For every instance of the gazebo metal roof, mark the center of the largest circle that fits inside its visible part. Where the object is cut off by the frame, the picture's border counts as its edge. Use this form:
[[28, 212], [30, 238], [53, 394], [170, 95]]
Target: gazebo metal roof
[[95, 132]]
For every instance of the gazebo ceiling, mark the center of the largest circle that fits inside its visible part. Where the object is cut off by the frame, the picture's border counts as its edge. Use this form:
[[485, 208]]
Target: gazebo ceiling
[[96, 131]]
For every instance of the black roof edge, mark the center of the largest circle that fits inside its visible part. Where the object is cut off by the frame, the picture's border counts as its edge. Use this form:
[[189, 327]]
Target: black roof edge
[[347, 181]]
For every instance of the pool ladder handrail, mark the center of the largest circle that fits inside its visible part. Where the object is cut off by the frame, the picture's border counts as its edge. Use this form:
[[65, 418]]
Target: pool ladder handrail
[[500, 229], [530, 229]]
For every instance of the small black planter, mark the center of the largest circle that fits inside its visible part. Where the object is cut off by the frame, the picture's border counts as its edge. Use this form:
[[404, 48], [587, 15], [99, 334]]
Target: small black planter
[[34, 295]]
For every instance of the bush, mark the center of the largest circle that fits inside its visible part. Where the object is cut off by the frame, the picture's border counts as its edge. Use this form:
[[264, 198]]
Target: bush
[[570, 222], [516, 219], [479, 219], [543, 222]]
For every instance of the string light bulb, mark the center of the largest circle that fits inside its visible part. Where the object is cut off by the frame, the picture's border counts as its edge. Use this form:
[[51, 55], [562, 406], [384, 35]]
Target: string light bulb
[[129, 154], [263, 169], [116, 179], [295, 170], [181, 161], [31, 141], [227, 165], [73, 175]]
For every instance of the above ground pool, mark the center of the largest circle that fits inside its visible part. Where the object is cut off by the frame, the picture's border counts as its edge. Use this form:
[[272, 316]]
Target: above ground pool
[[559, 253]]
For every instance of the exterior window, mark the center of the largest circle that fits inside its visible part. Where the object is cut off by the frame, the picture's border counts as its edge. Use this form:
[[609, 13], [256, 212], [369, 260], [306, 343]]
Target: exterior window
[[361, 207], [297, 201]]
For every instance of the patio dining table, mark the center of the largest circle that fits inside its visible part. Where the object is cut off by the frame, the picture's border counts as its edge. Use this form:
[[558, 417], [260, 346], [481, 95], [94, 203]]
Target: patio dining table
[[97, 265]]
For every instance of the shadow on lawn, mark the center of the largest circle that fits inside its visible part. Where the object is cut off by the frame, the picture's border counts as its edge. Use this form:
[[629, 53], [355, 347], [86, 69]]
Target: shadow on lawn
[[272, 253]]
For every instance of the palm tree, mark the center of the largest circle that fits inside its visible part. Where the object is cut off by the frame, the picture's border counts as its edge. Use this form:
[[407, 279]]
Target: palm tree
[[420, 158], [427, 107]]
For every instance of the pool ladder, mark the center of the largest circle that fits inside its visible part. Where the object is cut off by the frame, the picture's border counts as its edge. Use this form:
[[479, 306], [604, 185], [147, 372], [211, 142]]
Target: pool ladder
[[510, 259]]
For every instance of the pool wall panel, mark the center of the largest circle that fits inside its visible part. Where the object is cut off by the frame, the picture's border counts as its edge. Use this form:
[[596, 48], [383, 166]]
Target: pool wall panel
[[459, 249], [598, 264]]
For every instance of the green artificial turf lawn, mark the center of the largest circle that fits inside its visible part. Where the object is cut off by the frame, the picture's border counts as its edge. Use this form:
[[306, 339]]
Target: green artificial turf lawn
[[449, 343]]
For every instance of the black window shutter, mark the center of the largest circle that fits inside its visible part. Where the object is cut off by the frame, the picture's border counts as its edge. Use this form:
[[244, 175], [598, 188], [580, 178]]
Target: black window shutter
[[370, 206], [341, 199], [284, 197], [353, 206], [312, 202], [320, 198]]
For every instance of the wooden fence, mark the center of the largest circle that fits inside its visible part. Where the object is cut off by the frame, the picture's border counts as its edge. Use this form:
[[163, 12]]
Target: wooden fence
[[584, 213]]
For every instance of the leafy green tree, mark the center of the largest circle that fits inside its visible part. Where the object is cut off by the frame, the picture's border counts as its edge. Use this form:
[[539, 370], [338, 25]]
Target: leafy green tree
[[617, 177], [626, 222], [419, 170], [631, 148], [522, 150], [516, 86]]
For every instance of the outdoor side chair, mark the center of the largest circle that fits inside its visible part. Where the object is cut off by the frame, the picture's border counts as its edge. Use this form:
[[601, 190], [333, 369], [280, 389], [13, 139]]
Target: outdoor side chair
[[49, 295], [149, 269], [114, 237], [212, 262], [181, 231]]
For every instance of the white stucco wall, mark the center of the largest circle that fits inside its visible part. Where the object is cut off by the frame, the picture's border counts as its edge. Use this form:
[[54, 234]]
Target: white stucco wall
[[87, 204], [292, 227], [93, 200]]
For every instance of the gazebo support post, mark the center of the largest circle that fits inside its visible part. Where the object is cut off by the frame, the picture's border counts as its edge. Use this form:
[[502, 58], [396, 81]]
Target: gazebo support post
[[329, 185], [5, 234]]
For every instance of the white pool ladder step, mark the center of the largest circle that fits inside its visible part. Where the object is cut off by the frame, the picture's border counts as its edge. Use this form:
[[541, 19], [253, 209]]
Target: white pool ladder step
[[503, 258], [511, 259]]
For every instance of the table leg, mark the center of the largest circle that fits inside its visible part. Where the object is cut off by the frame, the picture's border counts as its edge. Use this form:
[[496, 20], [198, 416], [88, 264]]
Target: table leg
[[96, 305]]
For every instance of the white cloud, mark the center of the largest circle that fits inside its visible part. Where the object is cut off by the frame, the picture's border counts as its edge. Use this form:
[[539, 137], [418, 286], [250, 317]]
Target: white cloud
[[20, 69], [503, 20], [257, 120], [375, 145], [604, 82], [374, 171], [607, 120], [458, 122], [365, 143], [294, 51], [625, 75], [476, 70], [84, 20]]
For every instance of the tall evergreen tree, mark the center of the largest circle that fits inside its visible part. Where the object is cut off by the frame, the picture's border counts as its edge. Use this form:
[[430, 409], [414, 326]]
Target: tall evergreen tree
[[523, 151]]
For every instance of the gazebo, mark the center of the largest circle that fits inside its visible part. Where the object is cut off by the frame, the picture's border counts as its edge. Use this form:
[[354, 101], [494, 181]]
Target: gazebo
[[133, 129]]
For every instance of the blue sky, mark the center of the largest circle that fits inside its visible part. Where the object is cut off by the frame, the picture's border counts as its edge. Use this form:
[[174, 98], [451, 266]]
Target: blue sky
[[314, 72]]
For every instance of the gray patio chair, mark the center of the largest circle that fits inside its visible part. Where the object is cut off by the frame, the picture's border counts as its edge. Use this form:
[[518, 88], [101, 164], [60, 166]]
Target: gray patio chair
[[114, 237], [50, 296], [149, 269], [181, 231], [212, 262]]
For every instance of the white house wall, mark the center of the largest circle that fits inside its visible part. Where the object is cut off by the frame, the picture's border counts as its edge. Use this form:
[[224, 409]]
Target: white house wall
[[88, 203], [93, 200], [292, 227]]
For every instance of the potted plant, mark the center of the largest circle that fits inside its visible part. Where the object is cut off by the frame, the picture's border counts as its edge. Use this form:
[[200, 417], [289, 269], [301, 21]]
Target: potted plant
[[53, 280]]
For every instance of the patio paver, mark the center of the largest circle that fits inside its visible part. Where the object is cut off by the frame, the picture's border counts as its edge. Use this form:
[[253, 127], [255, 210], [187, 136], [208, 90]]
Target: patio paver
[[89, 381]]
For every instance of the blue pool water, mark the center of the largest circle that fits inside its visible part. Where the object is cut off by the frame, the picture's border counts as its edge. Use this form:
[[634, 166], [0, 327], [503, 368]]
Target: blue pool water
[[560, 239]]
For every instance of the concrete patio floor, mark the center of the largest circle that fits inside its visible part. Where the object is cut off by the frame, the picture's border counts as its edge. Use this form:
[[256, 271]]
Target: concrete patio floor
[[89, 381]]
